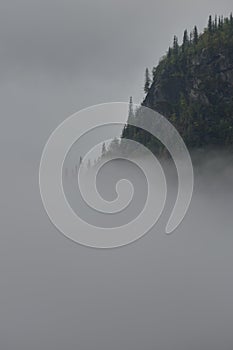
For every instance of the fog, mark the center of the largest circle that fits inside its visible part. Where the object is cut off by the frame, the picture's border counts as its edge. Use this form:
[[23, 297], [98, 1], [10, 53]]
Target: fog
[[161, 292]]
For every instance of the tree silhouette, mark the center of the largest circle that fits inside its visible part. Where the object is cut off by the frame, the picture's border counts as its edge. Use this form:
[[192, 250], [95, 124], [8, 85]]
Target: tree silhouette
[[175, 45], [195, 35], [210, 24], [131, 112], [147, 81], [103, 149], [185, 39]]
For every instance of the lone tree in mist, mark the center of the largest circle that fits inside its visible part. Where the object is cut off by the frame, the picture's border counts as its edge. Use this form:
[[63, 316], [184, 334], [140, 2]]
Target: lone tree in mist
[[147, 81], [103, 149], [131, 111]]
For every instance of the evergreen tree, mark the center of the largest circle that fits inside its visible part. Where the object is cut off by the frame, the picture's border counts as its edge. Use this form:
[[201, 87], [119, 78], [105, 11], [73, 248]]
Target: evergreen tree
[[147, 81], [195, 35], [131, 112], [175, 45], [169, 53], [220, 22], [185, 39], [103, 149], [215, 23], [210, 24], [231, 19], [191, 37]]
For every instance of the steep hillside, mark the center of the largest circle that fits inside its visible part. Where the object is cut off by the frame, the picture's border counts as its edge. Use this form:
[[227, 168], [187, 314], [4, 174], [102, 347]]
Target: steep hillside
[[193, 87]]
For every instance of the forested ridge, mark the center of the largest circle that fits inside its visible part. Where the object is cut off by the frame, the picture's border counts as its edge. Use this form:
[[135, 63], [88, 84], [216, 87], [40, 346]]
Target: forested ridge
[[192, 86]]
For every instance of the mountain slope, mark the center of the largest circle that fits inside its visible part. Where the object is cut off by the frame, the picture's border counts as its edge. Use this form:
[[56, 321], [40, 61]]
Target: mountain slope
[[193, 87]]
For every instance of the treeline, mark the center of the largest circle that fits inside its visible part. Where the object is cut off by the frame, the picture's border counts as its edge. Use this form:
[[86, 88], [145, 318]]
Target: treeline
[[216, 34]]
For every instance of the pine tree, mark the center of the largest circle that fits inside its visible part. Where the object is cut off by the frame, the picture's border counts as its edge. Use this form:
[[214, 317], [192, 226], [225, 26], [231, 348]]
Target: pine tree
[[220, 22], [191, 37], [147, 81], [195, 35], [215, 23], [175, 45], [131, 112], [103, 149], [231, 19], [169, 53], [185, 39], [210, 24]]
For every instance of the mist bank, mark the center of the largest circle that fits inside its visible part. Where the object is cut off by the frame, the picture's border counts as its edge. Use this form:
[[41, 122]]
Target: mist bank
[[167, 292]]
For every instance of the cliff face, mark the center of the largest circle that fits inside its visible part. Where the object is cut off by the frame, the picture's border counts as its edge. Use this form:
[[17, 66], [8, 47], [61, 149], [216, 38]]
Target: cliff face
[[207, 79], [193, 87]]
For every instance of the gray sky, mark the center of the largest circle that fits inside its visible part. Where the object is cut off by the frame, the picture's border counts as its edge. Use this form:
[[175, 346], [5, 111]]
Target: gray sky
[[60, 56]]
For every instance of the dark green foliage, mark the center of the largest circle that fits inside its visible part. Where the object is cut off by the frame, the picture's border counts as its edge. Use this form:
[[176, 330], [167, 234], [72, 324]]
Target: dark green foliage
[[175, 45], [169, 52], [185, 40], [195, 35], [215, 23], [210, 24], [193, 87]]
